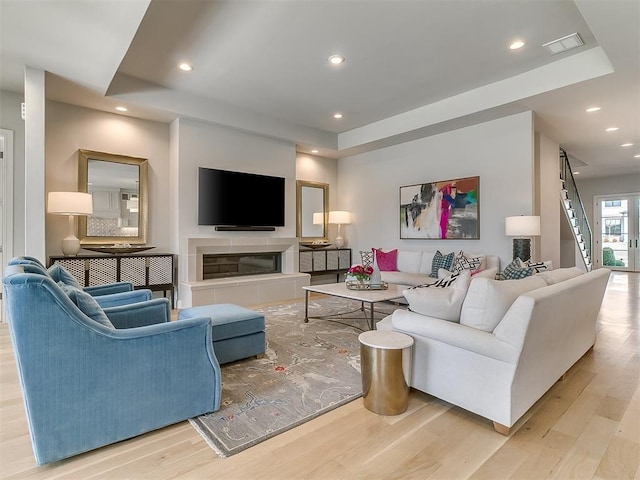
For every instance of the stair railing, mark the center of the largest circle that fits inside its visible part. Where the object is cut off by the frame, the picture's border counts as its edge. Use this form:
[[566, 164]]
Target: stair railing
[[582, 222]]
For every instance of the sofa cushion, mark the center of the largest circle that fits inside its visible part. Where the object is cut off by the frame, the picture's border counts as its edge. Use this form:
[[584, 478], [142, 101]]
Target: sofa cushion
[[87, 304], [464, 262], [387, 261], [560, 275], [442, 299], [515, 271], [441, 261], [488, 300], [409, 261], [60, 274], [487, 273], [404, 278]]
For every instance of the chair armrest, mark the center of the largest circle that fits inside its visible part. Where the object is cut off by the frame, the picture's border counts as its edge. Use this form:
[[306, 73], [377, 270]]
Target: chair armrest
[[124, 298], [140, 314], [118, 287]]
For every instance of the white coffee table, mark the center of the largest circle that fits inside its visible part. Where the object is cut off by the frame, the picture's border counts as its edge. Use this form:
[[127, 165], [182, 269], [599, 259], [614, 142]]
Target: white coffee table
[[364, 296]]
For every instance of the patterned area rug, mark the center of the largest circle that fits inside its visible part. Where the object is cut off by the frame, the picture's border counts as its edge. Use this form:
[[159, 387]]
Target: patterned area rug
[[308, 369]]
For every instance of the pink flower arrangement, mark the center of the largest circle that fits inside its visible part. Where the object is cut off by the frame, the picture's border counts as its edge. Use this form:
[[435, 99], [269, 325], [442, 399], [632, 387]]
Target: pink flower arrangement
[[360, 272]]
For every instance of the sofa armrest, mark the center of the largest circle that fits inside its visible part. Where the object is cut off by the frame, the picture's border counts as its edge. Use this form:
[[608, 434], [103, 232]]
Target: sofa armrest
[[123, 298], [140, 314], [118, 287], [454, 334]]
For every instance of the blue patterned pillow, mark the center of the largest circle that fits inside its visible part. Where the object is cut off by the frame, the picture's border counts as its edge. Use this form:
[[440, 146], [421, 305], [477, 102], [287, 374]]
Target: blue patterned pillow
[[87, 304], [59, 274], [515, 271], [441, 261]]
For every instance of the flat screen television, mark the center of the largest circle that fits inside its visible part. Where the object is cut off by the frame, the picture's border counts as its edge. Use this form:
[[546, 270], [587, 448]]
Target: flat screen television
[[237, 199]]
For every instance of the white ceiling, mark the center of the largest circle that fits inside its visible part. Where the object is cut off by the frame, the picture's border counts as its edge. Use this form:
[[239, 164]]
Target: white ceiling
[[413, 68]]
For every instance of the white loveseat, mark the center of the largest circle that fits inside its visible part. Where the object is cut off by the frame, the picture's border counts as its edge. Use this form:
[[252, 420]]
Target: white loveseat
[[499, 374], [414, 267]]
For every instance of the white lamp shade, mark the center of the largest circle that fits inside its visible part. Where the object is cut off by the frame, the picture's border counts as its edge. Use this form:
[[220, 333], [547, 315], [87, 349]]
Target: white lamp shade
[[522, 226], [340, 217], [70, 203], [318, 218]]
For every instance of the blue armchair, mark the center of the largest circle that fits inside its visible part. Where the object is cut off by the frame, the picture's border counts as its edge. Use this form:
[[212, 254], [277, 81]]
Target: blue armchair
[[59, 273], [87, 383], [110, 295]]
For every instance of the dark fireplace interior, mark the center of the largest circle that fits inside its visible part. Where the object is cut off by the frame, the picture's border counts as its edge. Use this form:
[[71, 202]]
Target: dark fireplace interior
[[238, 264]]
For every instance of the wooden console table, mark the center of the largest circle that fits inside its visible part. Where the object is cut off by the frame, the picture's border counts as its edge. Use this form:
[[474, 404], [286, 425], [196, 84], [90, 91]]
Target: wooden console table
[[154, 271], [325, 261]]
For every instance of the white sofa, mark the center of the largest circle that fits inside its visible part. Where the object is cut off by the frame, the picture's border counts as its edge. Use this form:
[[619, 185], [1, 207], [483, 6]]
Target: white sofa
[[500, 374], [414, 267]]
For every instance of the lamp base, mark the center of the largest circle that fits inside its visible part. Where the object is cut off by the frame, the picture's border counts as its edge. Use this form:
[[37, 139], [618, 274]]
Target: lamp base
[[339, 242], [70, 246], [522, 249]]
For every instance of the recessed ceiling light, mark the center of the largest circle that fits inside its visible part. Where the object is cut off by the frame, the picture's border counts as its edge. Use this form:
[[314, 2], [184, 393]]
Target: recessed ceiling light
[[636, 156], [593, 109], [627, 145], [314, 151], [336, 59], [122, 109], [612, 129], [337, 115], [576, 173], [185, 67], [563, 44], [516, 45]]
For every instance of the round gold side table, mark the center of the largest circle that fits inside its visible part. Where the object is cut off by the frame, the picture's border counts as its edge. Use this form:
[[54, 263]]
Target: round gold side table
[[385, 363]]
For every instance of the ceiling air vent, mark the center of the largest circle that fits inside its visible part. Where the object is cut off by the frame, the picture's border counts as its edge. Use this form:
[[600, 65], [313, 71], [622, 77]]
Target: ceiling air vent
[[563, 44]]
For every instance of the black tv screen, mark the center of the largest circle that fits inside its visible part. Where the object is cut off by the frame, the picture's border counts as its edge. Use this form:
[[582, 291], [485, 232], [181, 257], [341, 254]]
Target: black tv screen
[[239, 199]]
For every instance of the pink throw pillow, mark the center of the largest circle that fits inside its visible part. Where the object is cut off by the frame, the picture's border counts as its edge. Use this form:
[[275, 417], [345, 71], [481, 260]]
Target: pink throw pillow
[[387, 261]]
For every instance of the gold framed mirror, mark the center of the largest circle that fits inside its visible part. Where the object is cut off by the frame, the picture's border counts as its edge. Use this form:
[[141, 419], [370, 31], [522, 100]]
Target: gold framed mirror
[[312, 200], [118, 185]]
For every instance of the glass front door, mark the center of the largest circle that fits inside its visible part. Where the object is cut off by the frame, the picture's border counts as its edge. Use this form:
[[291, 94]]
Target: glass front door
[[617, 232]]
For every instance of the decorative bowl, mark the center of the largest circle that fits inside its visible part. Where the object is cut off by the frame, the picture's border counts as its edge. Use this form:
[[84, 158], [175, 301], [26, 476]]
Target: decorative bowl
[[118, 249], [315, 245]]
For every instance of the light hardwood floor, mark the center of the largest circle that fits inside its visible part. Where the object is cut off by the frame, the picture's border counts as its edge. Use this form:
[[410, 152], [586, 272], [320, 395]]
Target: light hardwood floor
[[586, 426]]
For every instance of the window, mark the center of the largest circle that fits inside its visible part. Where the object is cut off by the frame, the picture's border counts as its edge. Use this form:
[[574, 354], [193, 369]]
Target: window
[[612, 203], [612, 226]]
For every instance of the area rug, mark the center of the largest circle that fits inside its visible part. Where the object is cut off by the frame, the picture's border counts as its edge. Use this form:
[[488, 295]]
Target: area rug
[[308, 369]]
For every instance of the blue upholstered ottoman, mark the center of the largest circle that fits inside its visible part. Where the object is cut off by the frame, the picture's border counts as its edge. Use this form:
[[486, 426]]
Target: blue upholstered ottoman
[[237, 331]]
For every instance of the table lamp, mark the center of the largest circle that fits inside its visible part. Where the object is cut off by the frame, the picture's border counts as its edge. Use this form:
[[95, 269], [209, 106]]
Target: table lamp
[[520, 227], [71, 204], [339, 217]]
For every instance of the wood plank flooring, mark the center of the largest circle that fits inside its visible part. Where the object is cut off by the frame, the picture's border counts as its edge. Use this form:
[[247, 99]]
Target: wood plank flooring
[[585, 427]]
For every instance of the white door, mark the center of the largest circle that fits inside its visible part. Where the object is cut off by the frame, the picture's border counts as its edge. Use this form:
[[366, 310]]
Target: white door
[[617, 231]]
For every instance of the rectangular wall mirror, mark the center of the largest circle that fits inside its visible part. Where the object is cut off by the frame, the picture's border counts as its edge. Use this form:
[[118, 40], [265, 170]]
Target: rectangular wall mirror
[[312, 208], [118, 185]]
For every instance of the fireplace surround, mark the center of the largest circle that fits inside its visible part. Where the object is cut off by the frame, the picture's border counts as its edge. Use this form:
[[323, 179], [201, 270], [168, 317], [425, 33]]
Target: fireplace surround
[[244, 290]]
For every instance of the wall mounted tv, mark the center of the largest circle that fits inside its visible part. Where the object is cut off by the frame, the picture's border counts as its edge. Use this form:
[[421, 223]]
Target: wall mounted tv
[[239, 201]]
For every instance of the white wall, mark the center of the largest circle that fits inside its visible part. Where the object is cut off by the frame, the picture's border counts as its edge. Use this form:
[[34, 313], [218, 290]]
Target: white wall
[[500, 152], [590, 187], [547, 191], [70, 128], [205, 145], [10, 119]]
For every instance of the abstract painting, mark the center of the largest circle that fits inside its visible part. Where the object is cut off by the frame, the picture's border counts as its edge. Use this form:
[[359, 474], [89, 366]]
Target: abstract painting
[[447, 209]]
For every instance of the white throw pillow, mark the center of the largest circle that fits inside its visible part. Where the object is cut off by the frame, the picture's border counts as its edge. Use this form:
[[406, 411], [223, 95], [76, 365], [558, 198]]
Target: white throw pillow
[[488, 273], [444, 303], [488, 300], [560, 275], [409, 262]]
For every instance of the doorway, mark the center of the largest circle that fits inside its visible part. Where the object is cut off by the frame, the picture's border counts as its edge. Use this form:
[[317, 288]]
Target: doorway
[[617, 231]]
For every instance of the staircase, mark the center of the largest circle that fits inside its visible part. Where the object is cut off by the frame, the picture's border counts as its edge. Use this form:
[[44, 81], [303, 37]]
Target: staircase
[[574, 210]]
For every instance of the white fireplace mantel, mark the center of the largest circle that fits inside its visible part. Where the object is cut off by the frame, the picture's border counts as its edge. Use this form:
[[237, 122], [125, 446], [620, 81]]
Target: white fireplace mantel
[[246, 290]]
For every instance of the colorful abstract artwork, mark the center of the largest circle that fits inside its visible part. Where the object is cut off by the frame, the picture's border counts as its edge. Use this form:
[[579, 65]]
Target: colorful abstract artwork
[[446, 210]]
